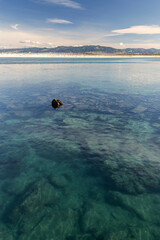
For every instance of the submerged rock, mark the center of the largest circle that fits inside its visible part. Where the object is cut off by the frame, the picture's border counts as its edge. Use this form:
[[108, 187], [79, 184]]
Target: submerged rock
[[56, 103], [30, 207], [139, 109]]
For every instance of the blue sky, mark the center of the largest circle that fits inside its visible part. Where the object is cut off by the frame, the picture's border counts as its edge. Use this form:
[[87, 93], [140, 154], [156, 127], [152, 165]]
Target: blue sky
[[49, 23]]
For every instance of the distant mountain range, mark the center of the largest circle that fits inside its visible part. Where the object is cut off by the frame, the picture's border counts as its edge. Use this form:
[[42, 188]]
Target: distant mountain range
[[83, 49]]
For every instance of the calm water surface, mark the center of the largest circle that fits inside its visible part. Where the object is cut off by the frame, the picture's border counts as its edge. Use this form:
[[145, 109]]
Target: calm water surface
[[89, 170]]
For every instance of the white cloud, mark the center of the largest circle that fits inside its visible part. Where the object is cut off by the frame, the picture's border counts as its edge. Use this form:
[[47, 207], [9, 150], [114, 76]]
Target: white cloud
[[30, 42], [66, 3], [140, 29], [111, 34], [60, 21], [15, 27]]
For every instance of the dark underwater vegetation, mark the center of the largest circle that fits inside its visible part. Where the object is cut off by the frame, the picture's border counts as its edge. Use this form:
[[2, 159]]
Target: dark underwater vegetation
[[89, 170]]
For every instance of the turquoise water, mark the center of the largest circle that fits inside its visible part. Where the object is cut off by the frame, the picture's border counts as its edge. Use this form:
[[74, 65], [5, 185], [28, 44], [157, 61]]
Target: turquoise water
[[90, 169]]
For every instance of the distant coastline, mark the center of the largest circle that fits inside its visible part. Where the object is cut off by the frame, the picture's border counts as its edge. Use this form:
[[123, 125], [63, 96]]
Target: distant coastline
[[74, 55], [85, 51]]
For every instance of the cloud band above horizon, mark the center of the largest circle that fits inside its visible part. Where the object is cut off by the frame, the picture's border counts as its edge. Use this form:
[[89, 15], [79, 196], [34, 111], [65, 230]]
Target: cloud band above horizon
[[140, 29]]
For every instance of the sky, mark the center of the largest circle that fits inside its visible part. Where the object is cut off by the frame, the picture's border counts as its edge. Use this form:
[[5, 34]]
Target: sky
[[51, 23]]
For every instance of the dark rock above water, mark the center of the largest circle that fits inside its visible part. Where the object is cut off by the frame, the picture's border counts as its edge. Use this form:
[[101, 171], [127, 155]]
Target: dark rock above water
[[56, 103]]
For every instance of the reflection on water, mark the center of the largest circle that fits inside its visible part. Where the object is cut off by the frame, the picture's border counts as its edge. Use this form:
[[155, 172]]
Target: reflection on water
[[86, 171]]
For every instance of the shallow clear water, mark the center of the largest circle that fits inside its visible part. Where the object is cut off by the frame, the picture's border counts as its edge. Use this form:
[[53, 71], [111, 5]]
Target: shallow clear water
[[90, 169]]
